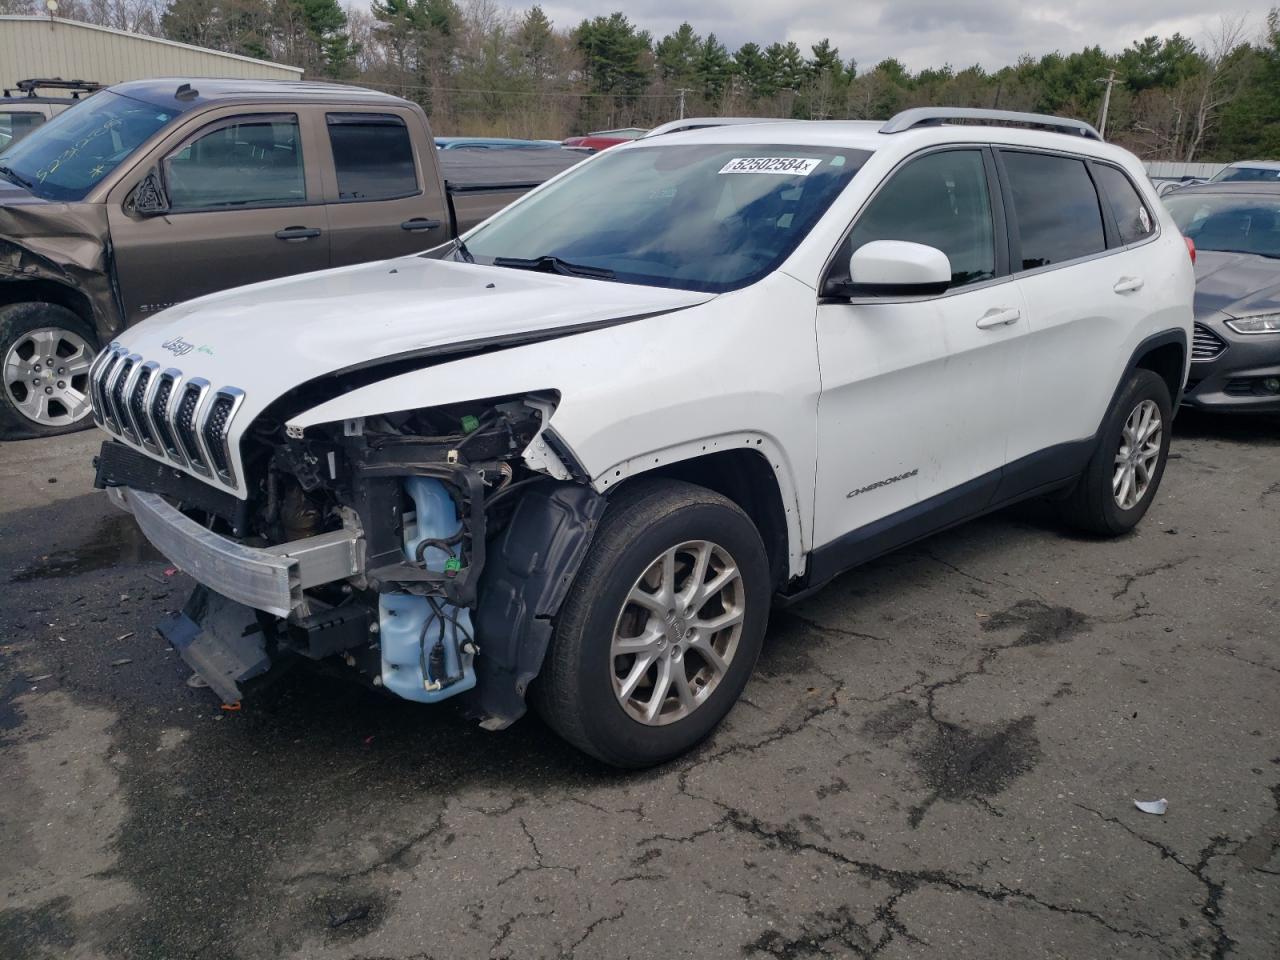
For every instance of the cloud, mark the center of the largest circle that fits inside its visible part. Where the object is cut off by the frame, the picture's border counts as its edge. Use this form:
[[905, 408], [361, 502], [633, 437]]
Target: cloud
[[922, 33]]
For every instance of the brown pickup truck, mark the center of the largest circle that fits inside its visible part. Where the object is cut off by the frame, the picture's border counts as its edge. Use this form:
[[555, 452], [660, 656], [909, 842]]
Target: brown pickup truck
[[154, 192]]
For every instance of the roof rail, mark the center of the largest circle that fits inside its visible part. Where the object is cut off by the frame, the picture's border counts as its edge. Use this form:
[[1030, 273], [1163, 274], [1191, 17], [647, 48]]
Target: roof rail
[[935, 116], [700, 123]]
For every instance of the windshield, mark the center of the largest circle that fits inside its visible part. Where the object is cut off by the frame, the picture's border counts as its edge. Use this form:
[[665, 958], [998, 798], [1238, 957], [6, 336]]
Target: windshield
[[1233, 223], [711, 217], [1247, 174], [66, 157]]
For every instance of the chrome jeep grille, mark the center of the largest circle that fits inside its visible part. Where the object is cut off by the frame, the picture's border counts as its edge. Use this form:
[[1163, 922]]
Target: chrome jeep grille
[[116, 394], [160, 416], [179, 419], [184, 421], [138, 406]]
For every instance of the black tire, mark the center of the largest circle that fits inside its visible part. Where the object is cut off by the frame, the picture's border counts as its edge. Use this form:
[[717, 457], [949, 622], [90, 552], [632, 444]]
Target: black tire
[[574, 692], [1092, 506], [16, 321]]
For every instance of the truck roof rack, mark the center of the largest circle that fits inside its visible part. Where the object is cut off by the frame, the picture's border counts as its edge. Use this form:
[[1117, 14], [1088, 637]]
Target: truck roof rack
[[935, 116], [29, 87]]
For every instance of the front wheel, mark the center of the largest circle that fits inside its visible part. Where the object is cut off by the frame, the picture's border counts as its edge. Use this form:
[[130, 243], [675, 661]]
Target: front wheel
[[662, 627], [1122, 477], [45, 355]]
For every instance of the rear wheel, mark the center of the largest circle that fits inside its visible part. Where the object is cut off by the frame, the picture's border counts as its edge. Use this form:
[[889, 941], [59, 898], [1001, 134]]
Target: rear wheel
[[45, 355], [661, 628], [1122, 477]]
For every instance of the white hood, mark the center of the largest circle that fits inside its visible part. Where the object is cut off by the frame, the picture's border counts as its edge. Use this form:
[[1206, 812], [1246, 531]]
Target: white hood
[[269, 338], [273, 336]]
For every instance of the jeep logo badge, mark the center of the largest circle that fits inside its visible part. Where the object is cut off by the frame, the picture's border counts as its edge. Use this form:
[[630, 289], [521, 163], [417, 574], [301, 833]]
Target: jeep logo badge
[[178, 347]]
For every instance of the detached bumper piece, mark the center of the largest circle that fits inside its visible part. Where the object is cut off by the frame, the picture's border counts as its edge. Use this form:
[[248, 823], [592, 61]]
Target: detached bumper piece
[[269, 578], [219, 639]]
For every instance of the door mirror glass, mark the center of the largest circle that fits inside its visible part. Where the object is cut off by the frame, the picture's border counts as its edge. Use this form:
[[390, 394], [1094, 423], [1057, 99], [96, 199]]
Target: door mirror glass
[[148, 197], [897, 268]]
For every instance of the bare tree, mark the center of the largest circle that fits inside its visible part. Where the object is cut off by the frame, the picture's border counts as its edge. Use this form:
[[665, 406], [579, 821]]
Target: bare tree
[[1218, 82]]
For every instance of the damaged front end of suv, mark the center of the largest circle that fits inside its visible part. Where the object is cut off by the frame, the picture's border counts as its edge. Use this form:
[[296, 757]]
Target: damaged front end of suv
[[424, 552]]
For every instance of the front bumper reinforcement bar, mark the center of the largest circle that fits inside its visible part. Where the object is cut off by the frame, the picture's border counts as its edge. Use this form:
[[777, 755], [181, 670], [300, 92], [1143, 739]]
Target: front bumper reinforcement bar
[[265, 578]]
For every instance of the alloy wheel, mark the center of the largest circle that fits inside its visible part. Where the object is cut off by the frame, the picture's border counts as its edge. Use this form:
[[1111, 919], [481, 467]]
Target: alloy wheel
[[677, 632], [1139, 453], [46, 376]]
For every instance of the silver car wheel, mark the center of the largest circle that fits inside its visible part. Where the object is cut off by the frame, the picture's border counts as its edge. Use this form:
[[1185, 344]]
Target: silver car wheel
[[677, 632], [1139, 453], [46, 376]]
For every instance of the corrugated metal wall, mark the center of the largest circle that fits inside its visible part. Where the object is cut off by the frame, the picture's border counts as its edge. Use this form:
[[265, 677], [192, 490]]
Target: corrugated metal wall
[[44, 47], [1160, 168]]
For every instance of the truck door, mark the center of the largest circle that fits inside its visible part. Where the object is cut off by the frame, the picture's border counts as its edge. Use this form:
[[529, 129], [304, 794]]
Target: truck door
[[384, 197], [245, 205]]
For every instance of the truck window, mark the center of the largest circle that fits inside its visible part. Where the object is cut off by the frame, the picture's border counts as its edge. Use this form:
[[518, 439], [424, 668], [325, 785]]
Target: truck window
[[940, 200], [15, 125], [372, 155], [1056, 207], [244, 163]]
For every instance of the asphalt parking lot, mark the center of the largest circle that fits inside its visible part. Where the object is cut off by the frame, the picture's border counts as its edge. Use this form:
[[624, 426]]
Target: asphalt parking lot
[[937, 757]]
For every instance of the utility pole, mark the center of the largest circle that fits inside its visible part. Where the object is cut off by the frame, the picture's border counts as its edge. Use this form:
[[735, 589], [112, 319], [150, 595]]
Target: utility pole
[[1110, 81], [682, 91]]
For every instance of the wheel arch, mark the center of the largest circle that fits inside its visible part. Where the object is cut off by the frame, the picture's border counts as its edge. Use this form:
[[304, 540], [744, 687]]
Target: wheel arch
[[39, 290], [1164, 354], [747, 468]]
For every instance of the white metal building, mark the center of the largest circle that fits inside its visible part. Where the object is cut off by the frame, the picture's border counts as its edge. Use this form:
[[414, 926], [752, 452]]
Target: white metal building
[[53, 47]]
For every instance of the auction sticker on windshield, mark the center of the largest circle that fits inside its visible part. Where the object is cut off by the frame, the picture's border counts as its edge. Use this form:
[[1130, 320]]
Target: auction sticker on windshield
[[787, 166]]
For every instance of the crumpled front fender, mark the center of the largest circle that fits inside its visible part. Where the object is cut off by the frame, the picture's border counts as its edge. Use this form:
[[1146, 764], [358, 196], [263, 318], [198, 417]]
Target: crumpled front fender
[[66, 244]]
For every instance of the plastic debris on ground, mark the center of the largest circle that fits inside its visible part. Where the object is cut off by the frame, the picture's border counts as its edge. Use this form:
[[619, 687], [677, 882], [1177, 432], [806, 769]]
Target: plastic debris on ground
[[1157, 807]]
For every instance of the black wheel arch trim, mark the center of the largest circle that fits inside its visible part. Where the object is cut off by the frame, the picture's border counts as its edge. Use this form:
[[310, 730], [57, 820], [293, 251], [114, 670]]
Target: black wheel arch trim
[[1146, 346]]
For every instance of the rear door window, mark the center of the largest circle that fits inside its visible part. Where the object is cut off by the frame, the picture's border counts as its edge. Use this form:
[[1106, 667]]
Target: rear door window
[[1132, 217], [373, 156], [1056, 208], [243, 163]]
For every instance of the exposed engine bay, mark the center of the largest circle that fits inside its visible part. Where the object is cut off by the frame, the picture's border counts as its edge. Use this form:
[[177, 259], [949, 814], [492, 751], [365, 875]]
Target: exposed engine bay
[[469, 525]]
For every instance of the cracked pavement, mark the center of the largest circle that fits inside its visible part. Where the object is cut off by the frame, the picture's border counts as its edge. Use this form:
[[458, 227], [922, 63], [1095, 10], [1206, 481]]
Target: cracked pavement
[[937, 757]]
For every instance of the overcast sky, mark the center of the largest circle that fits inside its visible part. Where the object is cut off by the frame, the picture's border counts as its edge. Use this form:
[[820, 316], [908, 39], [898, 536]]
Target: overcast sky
[[924, 33]]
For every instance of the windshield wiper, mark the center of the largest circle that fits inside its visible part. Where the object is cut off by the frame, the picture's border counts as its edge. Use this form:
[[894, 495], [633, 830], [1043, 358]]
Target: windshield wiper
[[549, 263], [8, 174]]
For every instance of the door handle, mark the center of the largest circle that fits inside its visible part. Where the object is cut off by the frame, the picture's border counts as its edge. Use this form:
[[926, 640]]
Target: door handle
[[419, 223], [1128, 284], [297, 233], [998, 317]]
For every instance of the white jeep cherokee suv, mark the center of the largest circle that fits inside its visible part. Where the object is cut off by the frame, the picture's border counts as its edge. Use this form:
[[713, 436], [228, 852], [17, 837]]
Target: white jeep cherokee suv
[[578, 453]]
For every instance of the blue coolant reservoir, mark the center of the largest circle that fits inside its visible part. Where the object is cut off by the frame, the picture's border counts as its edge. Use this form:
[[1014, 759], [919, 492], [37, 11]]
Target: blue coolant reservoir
[[424, 655]]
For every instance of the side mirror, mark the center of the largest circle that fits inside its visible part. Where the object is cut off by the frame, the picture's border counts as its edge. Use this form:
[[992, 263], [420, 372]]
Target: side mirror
[[895, 268], [148, 198]]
